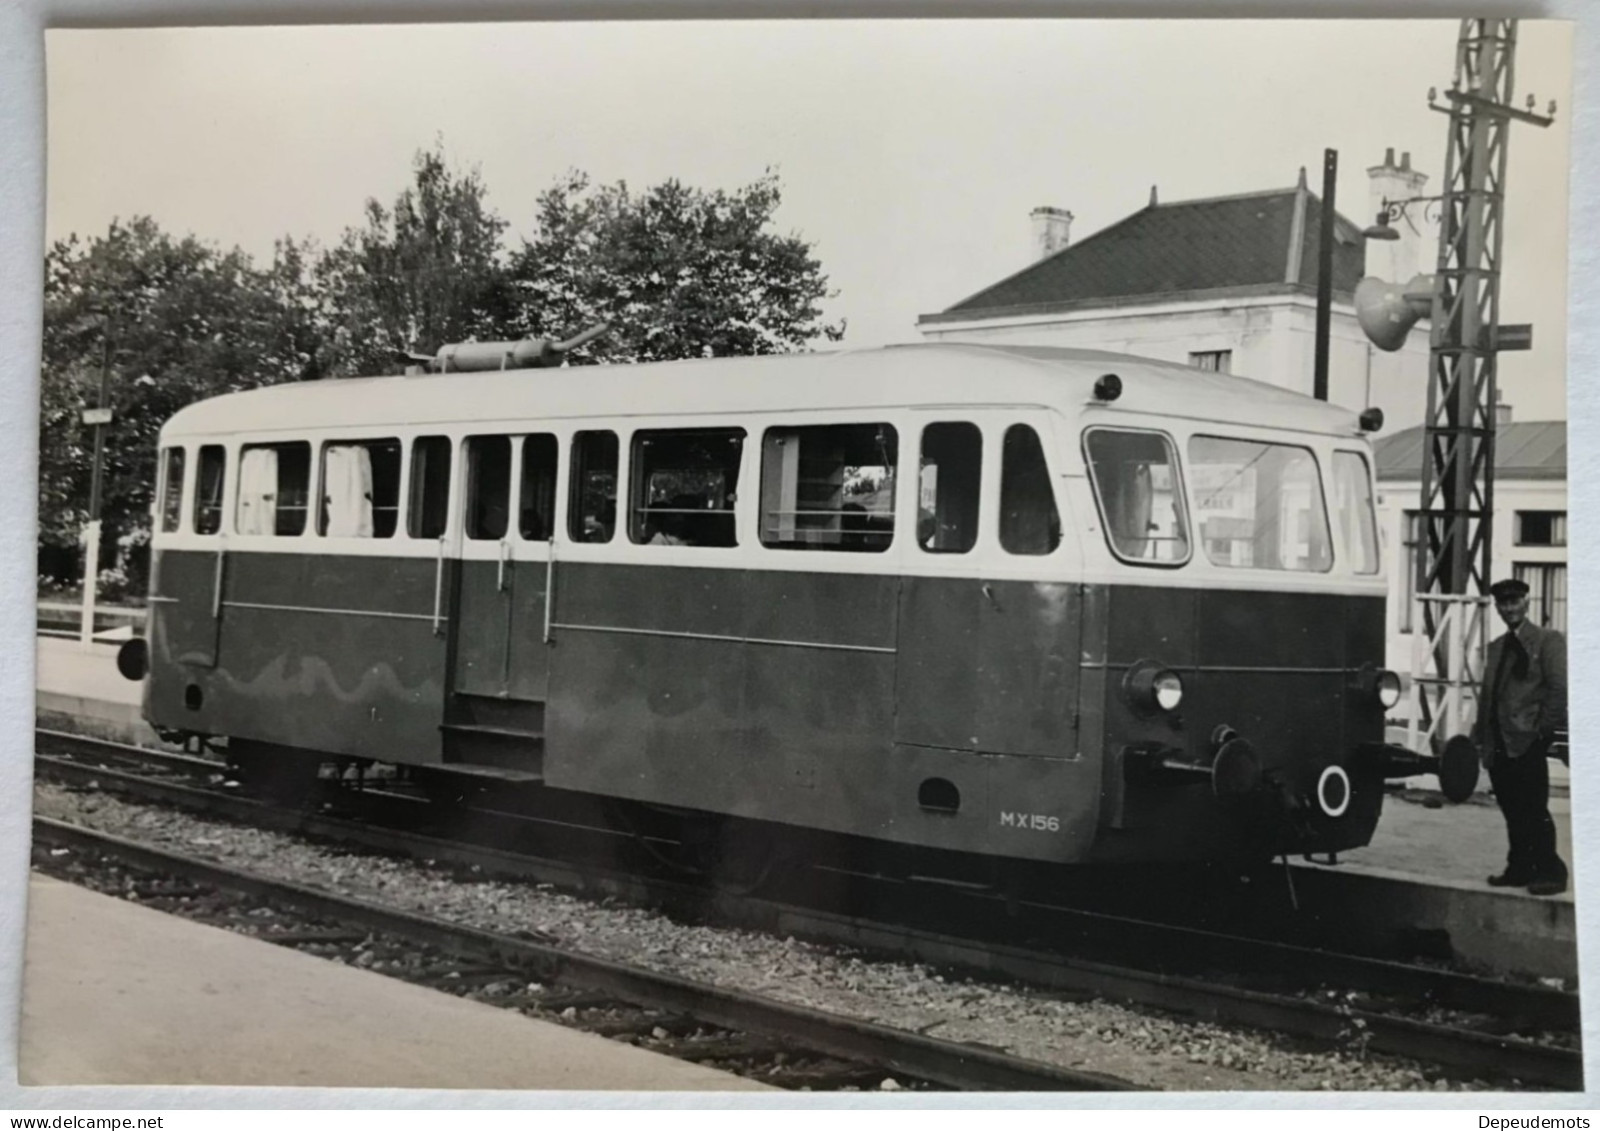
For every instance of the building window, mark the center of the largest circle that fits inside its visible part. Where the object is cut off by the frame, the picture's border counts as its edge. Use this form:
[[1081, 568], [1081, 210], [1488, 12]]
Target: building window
[[1547, 592], [685, 482], [1217, 361], [1411, 530], [829, 487], [1541, 528]]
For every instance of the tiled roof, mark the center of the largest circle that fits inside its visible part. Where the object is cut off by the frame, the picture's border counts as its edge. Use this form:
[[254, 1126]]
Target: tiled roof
[[1224, 243], [1530, 449]]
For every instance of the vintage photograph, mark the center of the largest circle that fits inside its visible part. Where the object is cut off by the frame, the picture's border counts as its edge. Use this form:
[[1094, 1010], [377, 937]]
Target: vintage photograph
[[816, 556]]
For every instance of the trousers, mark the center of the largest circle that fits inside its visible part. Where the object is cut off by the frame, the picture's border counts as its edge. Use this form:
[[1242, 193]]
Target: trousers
[[1522, 790]]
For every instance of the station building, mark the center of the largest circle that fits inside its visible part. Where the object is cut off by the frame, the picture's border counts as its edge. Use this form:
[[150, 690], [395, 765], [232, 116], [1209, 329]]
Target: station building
[[1226, 283]]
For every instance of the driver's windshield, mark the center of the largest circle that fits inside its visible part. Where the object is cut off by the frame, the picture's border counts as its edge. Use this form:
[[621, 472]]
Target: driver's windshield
[[1259, 505]]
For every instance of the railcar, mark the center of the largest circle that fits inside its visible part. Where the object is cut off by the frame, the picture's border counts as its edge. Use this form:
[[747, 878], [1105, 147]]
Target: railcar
[[1025, 603]]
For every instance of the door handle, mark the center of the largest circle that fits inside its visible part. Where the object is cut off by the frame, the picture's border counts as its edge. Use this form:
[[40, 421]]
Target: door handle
[[216, 584], [438, 586], [500, 577], [988, 591], [549, 587]]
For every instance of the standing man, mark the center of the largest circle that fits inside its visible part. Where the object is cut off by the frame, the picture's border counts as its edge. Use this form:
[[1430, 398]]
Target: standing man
[[1523, 705]]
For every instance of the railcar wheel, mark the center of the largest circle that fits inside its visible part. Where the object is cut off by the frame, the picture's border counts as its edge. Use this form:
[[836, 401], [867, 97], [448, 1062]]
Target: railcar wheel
[[280, 775]]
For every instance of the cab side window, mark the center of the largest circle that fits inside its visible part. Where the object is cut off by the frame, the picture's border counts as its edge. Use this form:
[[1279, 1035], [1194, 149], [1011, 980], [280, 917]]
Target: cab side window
[[1140, 496], [208, 481], [1029, 521], [947, 487], [171, 489]]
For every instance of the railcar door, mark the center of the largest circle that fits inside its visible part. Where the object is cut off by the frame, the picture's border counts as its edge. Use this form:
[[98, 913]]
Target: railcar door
[[508, 506], [988, 650]]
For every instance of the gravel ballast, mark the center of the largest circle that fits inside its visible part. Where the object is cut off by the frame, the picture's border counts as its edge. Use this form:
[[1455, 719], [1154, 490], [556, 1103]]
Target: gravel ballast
[[1140, 1046]]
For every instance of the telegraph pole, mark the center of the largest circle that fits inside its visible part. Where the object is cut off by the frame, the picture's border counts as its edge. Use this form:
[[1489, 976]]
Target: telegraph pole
[[100, 418]]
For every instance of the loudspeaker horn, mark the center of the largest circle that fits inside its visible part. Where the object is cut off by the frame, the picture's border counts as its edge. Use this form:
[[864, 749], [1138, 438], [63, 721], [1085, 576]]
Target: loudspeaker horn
[[1387, 311]]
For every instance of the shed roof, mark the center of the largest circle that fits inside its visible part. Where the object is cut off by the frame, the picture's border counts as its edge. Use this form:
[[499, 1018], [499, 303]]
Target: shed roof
[[1262, 241], [1523, 449]]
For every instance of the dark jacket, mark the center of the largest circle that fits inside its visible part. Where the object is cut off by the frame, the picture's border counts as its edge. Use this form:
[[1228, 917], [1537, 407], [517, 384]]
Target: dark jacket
[[1533, 703]]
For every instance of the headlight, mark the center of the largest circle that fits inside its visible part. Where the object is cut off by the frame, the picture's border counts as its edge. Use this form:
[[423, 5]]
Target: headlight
[[1381, 684], [1150, 687]]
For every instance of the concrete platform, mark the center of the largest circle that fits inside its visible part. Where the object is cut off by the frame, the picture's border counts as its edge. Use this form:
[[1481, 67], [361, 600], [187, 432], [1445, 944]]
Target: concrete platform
[[114, 993], [1450, 850]]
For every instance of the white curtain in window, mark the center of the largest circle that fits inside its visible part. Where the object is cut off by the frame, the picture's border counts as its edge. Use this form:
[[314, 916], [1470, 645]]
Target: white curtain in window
[[258, 491], [347, 491]]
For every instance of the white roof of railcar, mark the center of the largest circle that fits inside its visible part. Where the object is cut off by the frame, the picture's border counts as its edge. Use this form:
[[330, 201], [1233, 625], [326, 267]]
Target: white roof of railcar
[[930, 374]]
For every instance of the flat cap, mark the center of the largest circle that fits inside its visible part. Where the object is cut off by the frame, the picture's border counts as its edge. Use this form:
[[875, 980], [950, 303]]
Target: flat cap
[[1509, 589]]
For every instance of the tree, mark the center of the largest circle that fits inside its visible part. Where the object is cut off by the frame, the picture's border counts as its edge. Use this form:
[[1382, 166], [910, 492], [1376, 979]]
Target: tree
[[426, 272], [677, 272], [173, 321]]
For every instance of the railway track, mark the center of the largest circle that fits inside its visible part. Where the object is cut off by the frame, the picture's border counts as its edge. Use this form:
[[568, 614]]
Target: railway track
[[1491, 1033], [676, 1012]]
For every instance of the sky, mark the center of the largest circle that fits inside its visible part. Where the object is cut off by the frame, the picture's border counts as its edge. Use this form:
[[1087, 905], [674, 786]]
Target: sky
[[910, 152]]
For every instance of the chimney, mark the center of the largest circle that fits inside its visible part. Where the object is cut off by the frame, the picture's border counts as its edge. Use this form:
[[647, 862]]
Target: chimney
[[1397, 261], [1052, 228], [1502, 411]]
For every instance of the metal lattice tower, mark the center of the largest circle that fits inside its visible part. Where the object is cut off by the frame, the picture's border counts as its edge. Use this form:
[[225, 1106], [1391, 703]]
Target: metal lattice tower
[[1457, 513]]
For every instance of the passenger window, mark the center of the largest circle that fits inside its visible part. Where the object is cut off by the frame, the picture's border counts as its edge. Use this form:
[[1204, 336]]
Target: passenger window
[[947, 487], [1358, 521], [538, 506], [685, 482], [1029, 521], [360, 489], [592, 506], [208, 489], [1259, 505], [488, 486], [429, 506], [829, 487], [172, 489], [1136, 485], [274, 488]]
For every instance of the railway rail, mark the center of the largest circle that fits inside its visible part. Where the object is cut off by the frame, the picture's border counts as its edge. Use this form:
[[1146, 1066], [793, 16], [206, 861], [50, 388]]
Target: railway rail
[[1489, 1034], [747, 1026]]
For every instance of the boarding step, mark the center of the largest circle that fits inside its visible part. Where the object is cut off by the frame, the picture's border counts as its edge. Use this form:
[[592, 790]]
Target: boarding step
[[496, 713], [506, 734], [494, 773]]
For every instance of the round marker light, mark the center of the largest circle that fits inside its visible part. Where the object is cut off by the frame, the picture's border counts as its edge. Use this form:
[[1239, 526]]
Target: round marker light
[[1168, 690], [1108, 387], [1388, 688], [1333, 791]]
